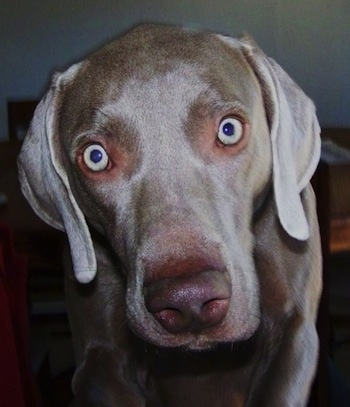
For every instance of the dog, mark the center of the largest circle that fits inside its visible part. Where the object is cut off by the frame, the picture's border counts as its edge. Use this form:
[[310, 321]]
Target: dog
[[178, 162]]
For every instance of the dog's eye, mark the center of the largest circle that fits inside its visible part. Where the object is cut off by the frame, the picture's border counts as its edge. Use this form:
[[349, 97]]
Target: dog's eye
[[95, 157], [230, 131]]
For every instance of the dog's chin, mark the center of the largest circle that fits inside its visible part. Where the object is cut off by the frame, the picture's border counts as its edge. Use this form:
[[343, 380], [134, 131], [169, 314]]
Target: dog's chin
[[218, 347], [204, 345]]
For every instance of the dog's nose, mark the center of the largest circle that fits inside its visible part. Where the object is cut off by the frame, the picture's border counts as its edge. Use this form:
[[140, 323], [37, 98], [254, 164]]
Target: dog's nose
[[189, 303]]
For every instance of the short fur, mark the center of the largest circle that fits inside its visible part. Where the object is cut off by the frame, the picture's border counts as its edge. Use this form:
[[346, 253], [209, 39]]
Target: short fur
[[178, 220]]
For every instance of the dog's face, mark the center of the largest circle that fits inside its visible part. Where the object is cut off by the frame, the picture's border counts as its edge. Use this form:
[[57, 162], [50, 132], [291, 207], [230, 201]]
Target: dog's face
[[175, 196], [162, 141]]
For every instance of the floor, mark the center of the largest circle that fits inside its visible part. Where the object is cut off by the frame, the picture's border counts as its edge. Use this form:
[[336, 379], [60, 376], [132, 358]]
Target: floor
[[53, 354]]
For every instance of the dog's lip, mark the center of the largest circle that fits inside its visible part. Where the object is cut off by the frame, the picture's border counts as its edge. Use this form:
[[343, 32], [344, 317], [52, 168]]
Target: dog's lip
[[206, 344], [182, 359], [203, 347]]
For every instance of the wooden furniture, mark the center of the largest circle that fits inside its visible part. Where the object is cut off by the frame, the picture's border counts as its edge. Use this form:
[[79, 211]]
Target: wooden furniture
[[31, 234], [19, 114], [331, 183], [43, 247], [339, 192]]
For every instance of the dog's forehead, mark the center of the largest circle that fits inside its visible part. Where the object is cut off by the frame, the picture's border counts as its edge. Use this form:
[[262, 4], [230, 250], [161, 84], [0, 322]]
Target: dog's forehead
[[154, 68], [151, 49], [165, 98]]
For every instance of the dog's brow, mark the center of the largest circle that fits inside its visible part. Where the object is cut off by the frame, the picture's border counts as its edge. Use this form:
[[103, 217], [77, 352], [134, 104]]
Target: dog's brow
[[100, 111], [216, 106], [101, 115], [237, 107], [106, 117], [106, 125], [80, 140]]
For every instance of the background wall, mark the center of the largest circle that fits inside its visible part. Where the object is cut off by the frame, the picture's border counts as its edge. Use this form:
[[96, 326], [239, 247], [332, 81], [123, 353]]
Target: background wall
[[309, 38]]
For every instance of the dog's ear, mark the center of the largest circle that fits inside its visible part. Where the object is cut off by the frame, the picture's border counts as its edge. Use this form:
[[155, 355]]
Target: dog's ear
[[45, 184], [294, 132]]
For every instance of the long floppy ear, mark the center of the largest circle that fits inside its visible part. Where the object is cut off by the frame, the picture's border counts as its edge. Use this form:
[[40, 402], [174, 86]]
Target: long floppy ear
[[295, 139], [45, 184]]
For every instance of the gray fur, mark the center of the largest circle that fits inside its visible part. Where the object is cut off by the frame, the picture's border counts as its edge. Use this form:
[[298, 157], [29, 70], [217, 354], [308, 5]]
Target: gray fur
[[174, 203]]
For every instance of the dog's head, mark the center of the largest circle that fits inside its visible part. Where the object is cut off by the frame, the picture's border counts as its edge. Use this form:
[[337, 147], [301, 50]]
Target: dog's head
[[167, 141]]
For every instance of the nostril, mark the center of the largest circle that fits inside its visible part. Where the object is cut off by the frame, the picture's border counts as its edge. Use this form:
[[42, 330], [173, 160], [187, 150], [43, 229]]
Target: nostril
[[173, 320], [213, 311], [194, 317]]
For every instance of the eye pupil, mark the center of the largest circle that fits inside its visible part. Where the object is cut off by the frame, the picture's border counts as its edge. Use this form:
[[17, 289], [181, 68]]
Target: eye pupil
[[228, 129], [96, 156]]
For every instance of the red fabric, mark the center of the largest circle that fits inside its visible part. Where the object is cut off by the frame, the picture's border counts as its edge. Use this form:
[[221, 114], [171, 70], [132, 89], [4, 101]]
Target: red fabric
[[17, 385]]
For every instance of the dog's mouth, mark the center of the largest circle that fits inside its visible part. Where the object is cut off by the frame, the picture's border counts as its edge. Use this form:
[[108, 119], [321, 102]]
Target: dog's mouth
[[220, 356]]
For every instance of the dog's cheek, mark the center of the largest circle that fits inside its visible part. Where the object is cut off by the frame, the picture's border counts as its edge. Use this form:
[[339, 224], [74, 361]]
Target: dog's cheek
[[236, 212], [261, 154], [90, 199]]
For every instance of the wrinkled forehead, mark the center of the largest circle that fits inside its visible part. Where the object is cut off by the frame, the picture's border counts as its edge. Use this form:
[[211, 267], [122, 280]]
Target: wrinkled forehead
[[160, 71]]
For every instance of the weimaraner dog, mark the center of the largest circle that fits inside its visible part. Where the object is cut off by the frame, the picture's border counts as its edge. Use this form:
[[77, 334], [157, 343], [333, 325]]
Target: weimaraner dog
[[178, 163]]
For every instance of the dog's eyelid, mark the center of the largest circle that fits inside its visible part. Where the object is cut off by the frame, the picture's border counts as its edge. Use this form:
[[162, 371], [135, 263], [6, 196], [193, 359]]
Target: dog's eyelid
[[80, 141], [83, 140], [87, 137]]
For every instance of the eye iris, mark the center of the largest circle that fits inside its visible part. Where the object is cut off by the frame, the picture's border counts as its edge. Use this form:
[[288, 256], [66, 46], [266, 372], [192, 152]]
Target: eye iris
[[228, 129], [96, 156]]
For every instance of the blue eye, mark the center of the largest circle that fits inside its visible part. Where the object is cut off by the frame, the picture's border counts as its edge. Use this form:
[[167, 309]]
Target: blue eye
[[95, 157], [230, 131]]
